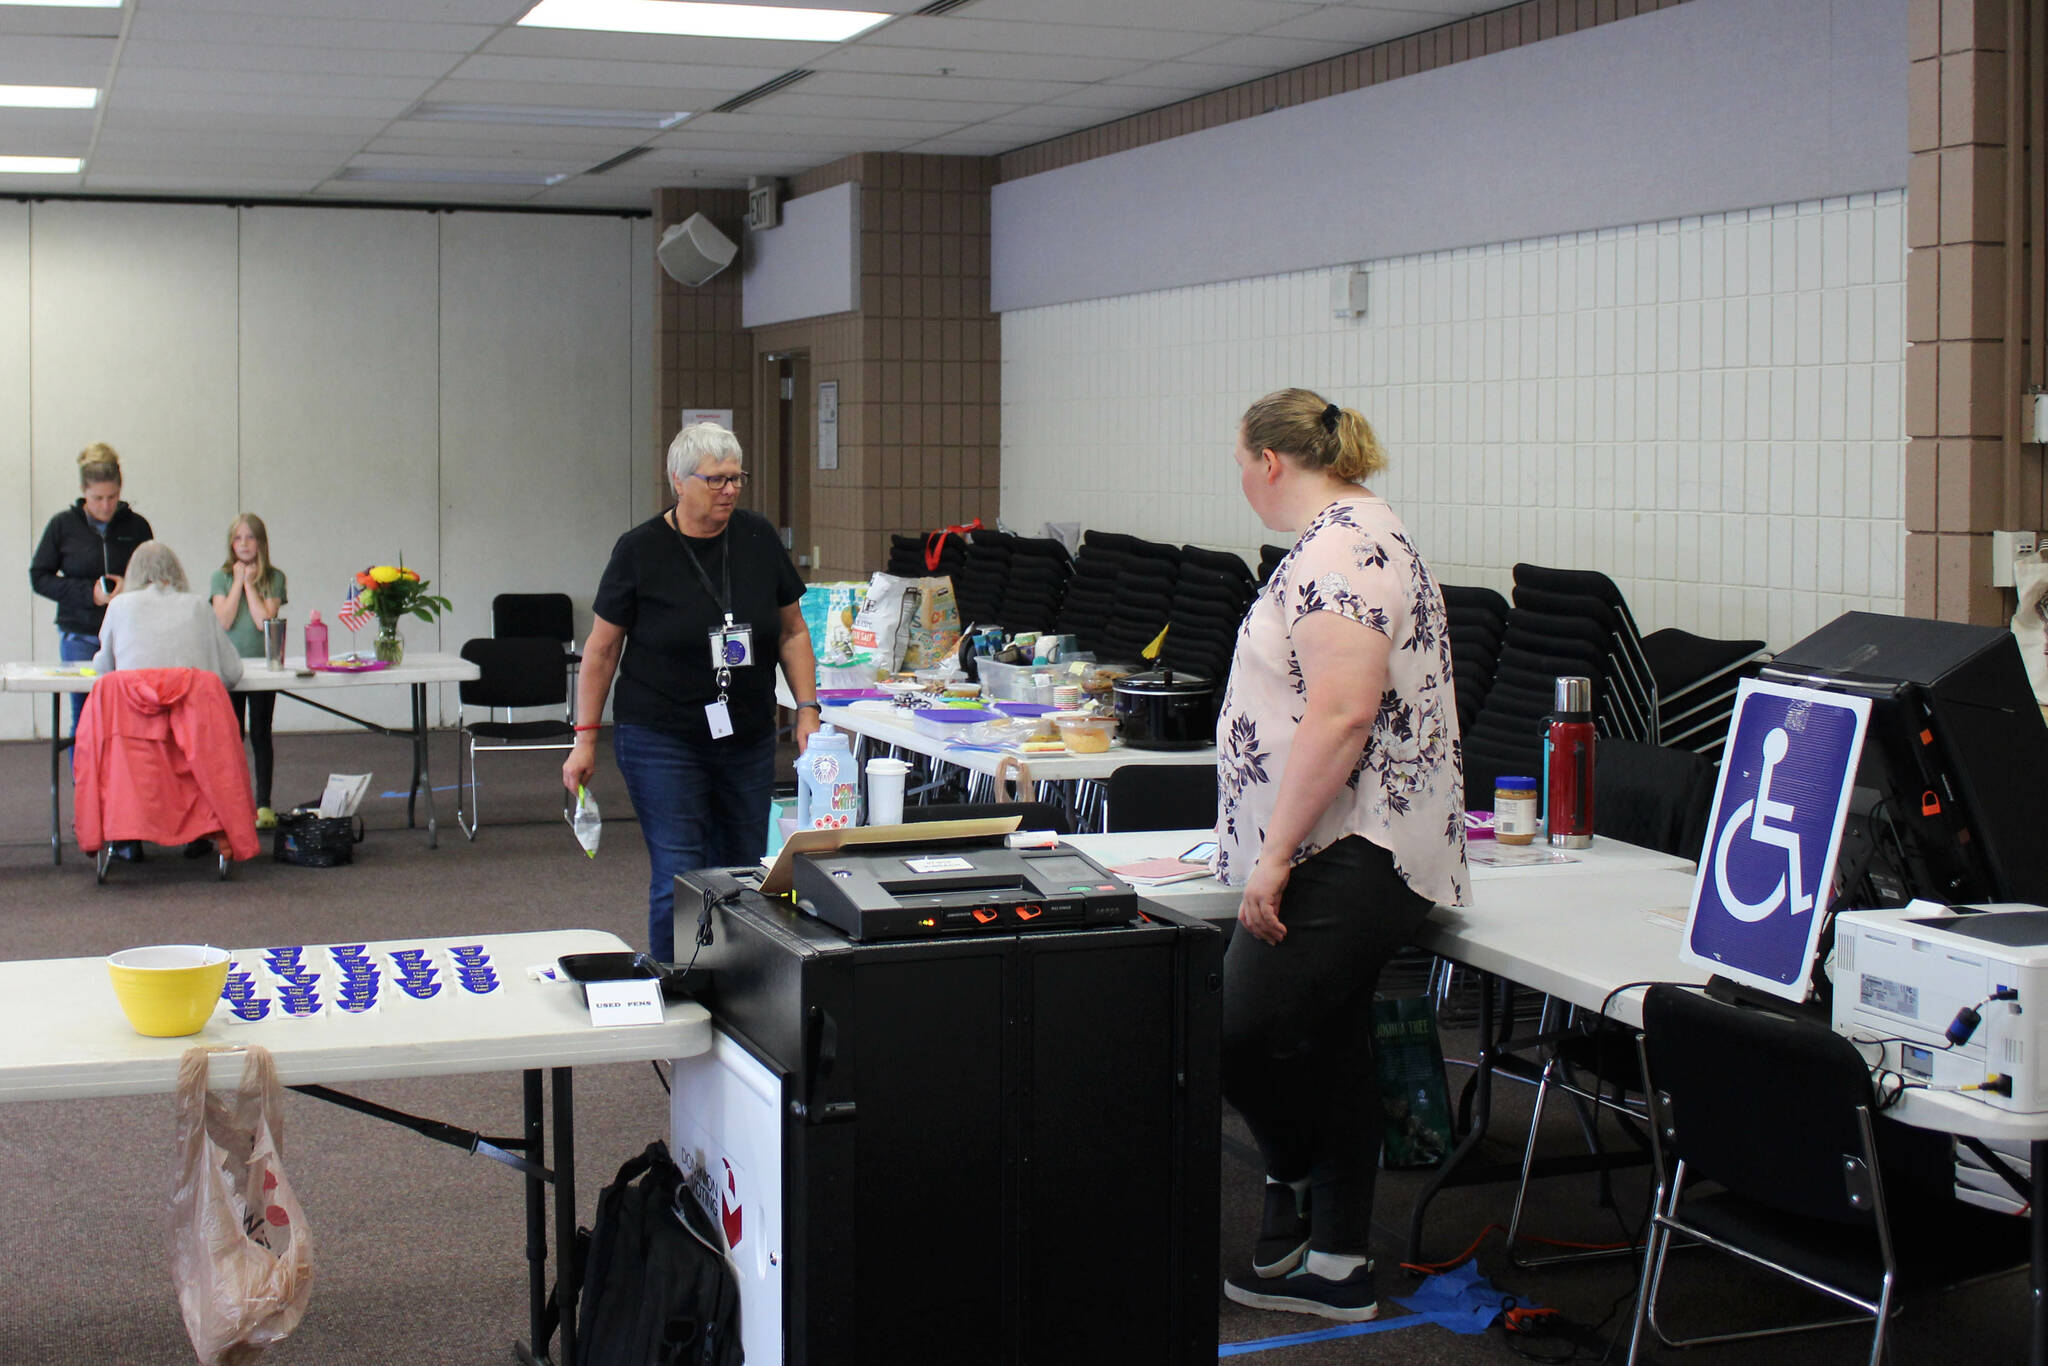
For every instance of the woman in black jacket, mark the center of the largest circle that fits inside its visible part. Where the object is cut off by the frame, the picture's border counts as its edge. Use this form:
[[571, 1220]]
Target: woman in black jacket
[[83, 555]]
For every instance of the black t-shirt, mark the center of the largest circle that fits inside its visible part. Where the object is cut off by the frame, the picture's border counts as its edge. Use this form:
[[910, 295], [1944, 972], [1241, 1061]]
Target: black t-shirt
[[650, 590]]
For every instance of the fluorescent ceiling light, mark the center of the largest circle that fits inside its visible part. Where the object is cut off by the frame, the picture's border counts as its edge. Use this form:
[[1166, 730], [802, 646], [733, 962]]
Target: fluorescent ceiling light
[[49, 96], [70, 4], [41, 165], [691, 19], [415, 175], [552, 115]]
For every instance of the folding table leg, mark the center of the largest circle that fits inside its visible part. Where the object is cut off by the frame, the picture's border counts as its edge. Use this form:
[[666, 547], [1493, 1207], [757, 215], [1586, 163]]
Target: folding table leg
[[568, 1272], [536, 1220], [2037, 1347], [56, 756]]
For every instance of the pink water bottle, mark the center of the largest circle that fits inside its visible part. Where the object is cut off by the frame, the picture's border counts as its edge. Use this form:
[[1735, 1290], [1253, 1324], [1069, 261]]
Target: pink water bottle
[[316, 642]]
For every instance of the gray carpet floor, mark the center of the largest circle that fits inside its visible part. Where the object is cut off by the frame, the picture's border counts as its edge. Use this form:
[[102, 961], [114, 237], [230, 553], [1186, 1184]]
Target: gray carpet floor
[[421, 1247]]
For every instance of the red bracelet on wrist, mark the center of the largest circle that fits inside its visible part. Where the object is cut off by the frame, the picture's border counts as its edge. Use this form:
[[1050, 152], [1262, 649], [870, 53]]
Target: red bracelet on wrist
[[581, 729]]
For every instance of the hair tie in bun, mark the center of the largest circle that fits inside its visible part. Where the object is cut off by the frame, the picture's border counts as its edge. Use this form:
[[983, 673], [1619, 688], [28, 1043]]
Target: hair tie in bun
[[1330, 416]]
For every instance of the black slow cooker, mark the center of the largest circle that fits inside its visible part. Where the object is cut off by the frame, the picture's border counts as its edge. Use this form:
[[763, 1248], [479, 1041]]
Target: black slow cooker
[[1166, 709]]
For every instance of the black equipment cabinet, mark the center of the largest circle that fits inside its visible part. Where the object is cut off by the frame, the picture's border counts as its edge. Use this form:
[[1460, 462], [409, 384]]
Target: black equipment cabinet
[[998, 1149]]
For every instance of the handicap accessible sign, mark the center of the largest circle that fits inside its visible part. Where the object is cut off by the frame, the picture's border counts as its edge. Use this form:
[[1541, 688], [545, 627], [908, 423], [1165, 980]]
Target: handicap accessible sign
[[1767, 870]]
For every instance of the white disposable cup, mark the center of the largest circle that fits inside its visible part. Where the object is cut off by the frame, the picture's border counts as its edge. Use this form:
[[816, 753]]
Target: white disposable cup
[[885, 791]]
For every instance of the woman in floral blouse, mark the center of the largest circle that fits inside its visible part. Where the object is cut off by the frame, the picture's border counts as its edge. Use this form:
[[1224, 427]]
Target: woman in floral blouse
[[1342, 818]]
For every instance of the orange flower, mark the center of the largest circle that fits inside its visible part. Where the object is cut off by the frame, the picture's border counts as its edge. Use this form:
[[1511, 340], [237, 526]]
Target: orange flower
[[412, 574], [363, 580]]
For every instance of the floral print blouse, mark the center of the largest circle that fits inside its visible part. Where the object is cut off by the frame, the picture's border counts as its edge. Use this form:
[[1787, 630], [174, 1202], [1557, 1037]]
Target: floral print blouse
[[1407, 793]]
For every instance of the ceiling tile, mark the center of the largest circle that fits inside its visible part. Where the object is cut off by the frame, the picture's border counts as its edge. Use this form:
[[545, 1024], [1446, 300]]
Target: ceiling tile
[[826, 144], [770, 122], [1187, 16], [201, 184], [425, 192], [928, 114], [650, 98], [377, 11], [964, 144], [59, 22], [201, 124], [250, 105], [589, 141], [982, 35], [145, 54], [474, 159], [1445, 9], [963, 90], [1013, 66], [160, 25], [592, 71], [1269, 54], [299, 87], [1358, 25], [654, 47]]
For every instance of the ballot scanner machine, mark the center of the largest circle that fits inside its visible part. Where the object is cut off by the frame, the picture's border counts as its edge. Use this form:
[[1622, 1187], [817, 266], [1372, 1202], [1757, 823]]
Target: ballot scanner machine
[[990, 1138]]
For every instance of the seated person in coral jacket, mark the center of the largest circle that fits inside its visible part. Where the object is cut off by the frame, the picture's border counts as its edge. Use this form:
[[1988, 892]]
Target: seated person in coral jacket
[[156, 621]]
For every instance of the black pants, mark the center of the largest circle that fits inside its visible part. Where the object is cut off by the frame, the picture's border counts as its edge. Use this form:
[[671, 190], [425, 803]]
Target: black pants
[[1297, 1032], [253, 711]]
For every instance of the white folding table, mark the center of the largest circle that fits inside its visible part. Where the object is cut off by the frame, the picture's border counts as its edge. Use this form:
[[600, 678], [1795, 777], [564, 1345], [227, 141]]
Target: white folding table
[[1592, 933], [885, 724], [419, 669], [68, 1039]]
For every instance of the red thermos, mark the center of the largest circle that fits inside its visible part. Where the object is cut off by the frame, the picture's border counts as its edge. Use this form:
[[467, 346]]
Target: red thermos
[[1569, 749]]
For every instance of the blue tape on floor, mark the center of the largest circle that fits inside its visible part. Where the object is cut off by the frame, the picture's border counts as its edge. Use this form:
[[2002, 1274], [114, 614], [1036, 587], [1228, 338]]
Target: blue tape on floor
[[450, 788], [1460, 1299]]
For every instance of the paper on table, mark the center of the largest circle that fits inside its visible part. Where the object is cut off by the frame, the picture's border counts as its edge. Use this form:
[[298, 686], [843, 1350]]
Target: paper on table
[[1500, 855], [1157, 872], [344, 794]]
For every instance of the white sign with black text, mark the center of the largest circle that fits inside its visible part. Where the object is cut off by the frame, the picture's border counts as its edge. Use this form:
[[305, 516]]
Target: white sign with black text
[[636, 1001]]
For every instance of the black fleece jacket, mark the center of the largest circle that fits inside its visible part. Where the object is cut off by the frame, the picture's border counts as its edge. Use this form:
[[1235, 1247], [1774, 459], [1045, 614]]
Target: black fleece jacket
[[71, 555]]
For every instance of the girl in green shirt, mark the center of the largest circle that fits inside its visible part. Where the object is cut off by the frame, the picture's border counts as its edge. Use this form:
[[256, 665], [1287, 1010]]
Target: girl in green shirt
[[248, 590]]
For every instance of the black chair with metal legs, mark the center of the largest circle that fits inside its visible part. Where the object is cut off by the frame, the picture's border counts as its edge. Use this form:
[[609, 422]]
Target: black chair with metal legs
[[1162, 797], [1773, 1150], [522, 671], [550, 615]]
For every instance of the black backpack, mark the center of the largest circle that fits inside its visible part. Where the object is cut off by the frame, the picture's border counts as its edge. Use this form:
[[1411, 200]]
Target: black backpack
[[656, 1289]]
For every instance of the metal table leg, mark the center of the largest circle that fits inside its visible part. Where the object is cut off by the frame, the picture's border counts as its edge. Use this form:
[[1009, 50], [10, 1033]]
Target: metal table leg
[[536, 1221], [2037, 1346], [568, 1273], [56, 755]]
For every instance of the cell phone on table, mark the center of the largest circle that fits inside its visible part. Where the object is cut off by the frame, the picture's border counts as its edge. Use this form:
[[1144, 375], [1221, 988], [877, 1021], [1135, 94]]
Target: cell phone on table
[[1201, 853]]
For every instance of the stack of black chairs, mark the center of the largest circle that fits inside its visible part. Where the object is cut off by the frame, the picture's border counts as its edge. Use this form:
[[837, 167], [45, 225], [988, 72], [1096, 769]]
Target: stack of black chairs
[[1579, 613], [906, 557], [1039, 570], [1121, 594], [1696, 681], [1269, 560], [978, 583], [1478, 622], [1210, 600]]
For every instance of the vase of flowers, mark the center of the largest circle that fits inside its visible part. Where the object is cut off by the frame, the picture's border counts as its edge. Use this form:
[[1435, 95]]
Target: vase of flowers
[[390, 592]]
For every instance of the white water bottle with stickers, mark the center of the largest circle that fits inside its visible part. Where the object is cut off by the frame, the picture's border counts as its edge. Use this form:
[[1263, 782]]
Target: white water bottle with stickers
[[827, 783]]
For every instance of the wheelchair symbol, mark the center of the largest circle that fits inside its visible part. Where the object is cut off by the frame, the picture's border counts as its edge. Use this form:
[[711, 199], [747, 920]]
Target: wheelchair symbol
[[1754, 814]]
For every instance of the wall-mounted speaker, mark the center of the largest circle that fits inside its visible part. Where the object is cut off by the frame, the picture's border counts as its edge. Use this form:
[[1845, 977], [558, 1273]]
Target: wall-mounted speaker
[[693, 250]]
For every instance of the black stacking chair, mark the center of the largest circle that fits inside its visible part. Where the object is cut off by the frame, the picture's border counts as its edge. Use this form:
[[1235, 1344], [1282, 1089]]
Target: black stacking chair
[[1035, 815], [546, 615], [1269, 560], [516, 672], [1775, 1151], [1478, 620], [1660, 799], [1161, 797]]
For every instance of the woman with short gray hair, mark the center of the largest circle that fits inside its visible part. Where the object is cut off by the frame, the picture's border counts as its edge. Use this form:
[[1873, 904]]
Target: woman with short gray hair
[[157, 622], [695, 611]]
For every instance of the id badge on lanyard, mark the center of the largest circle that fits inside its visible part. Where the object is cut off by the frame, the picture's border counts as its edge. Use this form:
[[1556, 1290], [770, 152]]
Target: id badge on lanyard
[[732, 647]]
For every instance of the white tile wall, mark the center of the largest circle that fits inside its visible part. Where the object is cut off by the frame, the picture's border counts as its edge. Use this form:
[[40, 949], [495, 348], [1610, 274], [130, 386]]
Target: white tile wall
[[1705, 409]]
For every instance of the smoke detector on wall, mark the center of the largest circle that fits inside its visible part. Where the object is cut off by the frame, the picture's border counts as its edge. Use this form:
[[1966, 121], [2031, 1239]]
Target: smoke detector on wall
[[764, 202]]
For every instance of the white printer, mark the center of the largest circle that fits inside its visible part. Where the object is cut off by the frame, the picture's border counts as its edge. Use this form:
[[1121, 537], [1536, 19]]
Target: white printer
[[1902, 976]]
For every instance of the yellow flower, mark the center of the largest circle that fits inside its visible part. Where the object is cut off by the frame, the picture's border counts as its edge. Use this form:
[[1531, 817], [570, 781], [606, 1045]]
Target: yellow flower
[[384, 573]]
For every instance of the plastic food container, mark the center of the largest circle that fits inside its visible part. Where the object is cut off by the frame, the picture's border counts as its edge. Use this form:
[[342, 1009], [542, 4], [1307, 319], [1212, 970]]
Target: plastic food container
[[1004, 682], [948, 723], [1085, 734]]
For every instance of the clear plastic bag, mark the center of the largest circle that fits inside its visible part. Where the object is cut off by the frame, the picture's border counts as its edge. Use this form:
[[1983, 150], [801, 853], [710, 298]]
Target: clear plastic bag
[[588, 825], [241, 1254]]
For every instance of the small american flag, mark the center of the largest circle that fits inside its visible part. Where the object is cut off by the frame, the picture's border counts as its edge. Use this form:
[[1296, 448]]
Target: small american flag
[[352, 613]]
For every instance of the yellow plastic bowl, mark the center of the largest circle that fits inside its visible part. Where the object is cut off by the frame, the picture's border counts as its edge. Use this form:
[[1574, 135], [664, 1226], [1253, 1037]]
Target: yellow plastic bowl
[[168, 990]]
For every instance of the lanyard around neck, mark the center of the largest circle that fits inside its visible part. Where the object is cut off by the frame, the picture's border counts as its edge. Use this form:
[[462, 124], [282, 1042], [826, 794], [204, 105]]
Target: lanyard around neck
[[722, 599]]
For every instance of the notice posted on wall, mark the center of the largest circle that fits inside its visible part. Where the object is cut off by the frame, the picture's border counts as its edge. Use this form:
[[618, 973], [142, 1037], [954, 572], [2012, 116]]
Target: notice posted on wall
[[828, 425]]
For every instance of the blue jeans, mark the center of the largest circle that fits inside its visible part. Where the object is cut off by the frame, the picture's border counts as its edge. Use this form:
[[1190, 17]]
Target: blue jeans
[[700, 806], [76, 649]]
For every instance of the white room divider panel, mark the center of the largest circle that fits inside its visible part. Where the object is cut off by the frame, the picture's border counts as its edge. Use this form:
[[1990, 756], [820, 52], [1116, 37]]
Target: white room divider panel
[[20, 614], [132, 330], [533, 493], [1706, 409], [340, 412]]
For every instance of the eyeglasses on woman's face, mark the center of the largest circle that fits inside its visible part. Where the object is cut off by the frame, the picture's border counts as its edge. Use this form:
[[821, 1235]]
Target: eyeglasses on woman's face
[[719, 483]]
